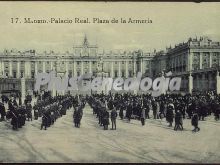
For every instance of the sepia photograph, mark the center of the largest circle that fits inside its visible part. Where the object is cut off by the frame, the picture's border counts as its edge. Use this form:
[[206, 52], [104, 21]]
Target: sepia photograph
[[109, 82]]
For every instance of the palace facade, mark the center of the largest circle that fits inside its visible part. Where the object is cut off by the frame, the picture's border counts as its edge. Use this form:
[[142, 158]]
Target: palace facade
[[85, 58], [196, 61]]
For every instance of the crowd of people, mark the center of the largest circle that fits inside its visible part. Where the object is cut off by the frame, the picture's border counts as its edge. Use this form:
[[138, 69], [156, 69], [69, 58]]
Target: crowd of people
[[173, 107], [48, 109]]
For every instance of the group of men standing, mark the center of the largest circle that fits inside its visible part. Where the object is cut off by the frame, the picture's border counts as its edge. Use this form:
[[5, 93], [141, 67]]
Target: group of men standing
[[173, 107], [49, 109], [98, 104], [17, 113]]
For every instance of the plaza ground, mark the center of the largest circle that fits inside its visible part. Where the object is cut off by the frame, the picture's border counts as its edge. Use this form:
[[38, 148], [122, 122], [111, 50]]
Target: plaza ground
[[131, 142]]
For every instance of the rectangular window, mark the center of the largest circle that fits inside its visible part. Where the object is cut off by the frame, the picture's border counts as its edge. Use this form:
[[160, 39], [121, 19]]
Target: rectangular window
[[116, 74]]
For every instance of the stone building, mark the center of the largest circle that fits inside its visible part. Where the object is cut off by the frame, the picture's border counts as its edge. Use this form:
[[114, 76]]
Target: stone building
[[84, 58], [196, 62]]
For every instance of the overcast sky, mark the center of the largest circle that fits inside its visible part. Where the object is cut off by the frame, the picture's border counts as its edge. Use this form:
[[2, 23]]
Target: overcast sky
[[172, 23]]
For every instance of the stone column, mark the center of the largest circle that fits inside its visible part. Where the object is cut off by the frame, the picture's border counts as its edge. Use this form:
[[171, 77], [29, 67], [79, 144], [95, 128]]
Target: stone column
[[51, 65], [217, 82], [23, 89], [126, 69], [141, 66], [66, 67], [90, 66], [210, 60], [112, 69], [119, 69], [25, 69], [10, 68], [134, 68], [18, 69], [35, 68], [44, 70], [82, 70], [200, 61], [190, 83]]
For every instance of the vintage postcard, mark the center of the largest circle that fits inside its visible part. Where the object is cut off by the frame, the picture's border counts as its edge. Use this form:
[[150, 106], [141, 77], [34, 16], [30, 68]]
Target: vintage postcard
[[109, 82]]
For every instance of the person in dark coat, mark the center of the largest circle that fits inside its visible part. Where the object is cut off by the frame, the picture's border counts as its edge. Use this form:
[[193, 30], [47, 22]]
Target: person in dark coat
[[36, 113], [29, 111], [169, 114], [190, 110], [105, 119], [143, 116], [2, 111], [13, 115], [44, 121], [20, 118], [23, 114], [162, 110], [113, 118], [129, 112], [147, 110], [154, 108], [77, 116], [217, 111], [178, 121], [121, 114], [195, 122]]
